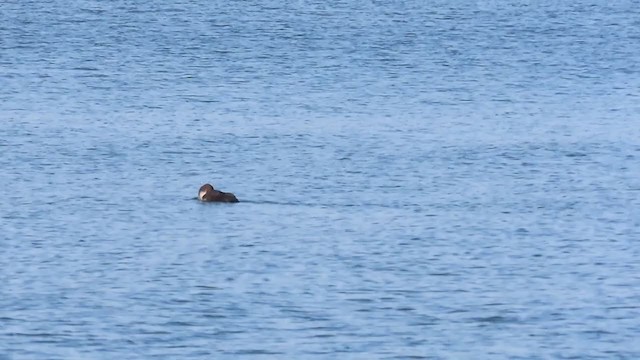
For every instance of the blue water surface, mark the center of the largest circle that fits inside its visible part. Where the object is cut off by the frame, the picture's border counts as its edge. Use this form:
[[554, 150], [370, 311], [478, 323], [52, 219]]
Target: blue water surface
[[418, 179]]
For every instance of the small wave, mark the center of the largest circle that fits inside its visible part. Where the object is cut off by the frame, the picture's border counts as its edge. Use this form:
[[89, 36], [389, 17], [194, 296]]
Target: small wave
[[257, 352], [496, 319], [330, 205]]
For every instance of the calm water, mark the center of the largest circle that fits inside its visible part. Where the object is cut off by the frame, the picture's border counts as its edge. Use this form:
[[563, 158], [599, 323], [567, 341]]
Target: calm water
[[443, 179]]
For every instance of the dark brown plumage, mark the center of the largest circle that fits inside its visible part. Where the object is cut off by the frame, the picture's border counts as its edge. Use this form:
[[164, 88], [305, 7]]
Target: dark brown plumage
[[208, 193]]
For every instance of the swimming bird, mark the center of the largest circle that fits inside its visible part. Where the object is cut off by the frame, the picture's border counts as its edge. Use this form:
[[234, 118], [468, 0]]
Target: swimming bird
[[208, 193]]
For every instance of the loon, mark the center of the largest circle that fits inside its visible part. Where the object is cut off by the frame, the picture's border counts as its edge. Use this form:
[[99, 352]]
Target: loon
[[209, 194]]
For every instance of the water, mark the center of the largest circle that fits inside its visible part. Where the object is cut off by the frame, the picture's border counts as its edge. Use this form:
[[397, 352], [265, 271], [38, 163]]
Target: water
[[418, 180]]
